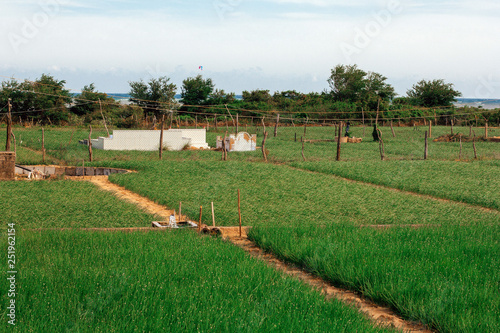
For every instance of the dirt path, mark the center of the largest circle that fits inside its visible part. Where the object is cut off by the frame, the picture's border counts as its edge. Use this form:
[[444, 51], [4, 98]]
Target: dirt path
[[379, 314]]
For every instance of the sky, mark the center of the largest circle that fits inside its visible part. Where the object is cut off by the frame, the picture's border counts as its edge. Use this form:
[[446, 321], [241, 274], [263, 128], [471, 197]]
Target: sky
[[275, 45]]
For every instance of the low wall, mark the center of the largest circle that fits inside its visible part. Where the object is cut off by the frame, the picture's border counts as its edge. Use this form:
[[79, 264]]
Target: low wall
[[149, 140], [7, 165]]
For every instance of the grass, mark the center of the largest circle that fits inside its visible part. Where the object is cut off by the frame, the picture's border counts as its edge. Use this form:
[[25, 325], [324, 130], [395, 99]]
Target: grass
[[160, 282], [445, 275], [65, 204]]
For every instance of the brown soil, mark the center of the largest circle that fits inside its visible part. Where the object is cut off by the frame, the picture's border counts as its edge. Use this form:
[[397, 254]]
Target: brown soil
[[381, 315]]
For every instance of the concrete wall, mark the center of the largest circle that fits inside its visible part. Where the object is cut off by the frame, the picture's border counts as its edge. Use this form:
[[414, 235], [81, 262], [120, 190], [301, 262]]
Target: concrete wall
[[7, 165], [149, 140]]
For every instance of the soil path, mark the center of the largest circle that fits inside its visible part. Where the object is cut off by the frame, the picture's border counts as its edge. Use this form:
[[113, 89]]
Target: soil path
[[381, 315]]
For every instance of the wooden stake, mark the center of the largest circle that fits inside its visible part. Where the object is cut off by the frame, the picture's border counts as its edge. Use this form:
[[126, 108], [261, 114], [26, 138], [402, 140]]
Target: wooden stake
[[199, 224], [474, 145], [263, 126], [392, 130], [229, 115], [276, 126], [213, 215], [470, 131], [161, 137], [208, 123], [264, 147], [237, 124], [460, 153], [303, 141], [295, 136], [90, 144], [239, 209], [381, 145], [430, 128], [338, 141], [426, 150], [43, 145], [486, 130], [9, 126], [103, 119], [451, 121]]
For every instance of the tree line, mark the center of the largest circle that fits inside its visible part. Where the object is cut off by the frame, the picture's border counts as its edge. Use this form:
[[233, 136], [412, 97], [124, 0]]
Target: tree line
[[353, 94]]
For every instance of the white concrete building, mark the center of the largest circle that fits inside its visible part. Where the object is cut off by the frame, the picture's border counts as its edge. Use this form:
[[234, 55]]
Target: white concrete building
[[149, 140]]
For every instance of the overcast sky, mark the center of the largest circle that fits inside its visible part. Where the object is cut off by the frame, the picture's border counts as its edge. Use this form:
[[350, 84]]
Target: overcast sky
[[259, 44]]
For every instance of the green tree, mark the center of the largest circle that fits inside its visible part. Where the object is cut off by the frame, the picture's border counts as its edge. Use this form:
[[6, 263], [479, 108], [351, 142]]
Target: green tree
[[196, 91], [156, 96], [257, 95], [45, 99], [350, 84], [219, 97], [90, 101], [433, 93]]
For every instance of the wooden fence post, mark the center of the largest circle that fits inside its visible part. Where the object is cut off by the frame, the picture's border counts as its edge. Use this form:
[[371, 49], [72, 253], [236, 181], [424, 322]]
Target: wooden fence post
[[426, 150], [43, 145], [381, 144], [338, 141], [90, 144], [199, 224], [470, 130], [460, 153], [451, 122], [213, 214], [161, 137], [239, 209], [474, 145], [264, 146], [303, 141], [430, 128], [180, 210], [486, 130], [392, 130], [237, 124], [276, 126], [9, 126]]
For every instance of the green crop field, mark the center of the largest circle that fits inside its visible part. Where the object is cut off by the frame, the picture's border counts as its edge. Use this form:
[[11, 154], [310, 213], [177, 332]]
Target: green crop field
[[444, 273]]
